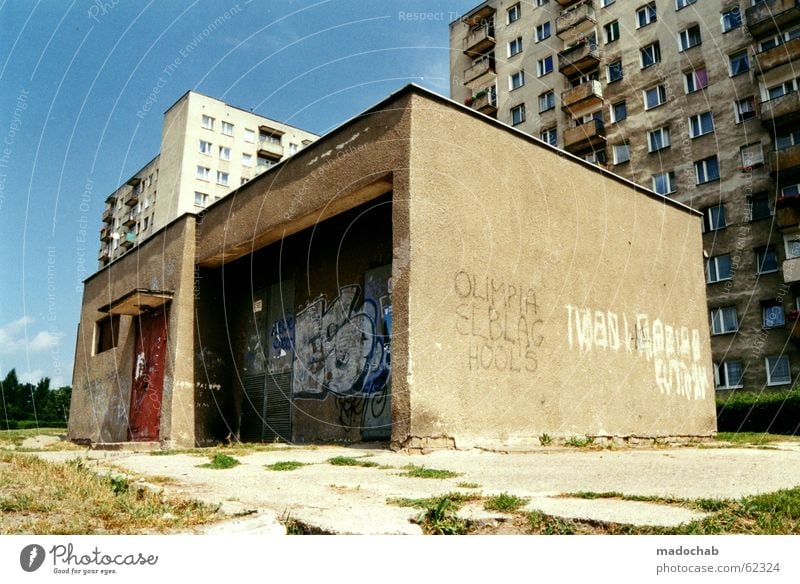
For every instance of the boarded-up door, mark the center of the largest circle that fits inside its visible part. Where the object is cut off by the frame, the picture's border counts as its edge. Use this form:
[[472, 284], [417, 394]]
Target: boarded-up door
[[148, 376]]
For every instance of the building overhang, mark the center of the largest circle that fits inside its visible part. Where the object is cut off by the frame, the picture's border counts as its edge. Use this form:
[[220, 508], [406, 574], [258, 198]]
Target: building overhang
[[137, 302]]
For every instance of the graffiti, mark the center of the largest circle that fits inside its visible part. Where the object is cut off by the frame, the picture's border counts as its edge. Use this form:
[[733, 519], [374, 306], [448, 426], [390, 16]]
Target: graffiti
[[502, 322], [674, 351], [336, 346], [282, 335]]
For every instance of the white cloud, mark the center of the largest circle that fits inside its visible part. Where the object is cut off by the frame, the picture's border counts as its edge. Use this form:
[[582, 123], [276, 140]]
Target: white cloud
[[13, 338], [34, 376]]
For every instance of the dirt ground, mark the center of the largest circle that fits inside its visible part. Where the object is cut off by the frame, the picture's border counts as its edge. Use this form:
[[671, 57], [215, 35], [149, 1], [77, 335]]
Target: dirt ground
[[355, 499]]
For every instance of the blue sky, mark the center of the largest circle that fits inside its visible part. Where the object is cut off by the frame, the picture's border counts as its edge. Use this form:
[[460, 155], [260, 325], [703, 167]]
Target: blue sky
[[75, 76]]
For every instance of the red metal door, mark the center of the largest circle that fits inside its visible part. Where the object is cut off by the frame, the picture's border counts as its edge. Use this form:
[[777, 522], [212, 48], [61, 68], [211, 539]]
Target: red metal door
[[148, 376]]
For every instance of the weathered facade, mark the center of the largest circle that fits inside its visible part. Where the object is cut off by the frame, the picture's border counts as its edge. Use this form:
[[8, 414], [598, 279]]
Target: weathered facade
[[396, 280]]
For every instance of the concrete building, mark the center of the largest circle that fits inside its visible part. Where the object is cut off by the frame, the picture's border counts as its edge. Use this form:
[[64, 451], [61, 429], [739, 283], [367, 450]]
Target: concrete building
[[208, 148], [394, 280], [694, 99]]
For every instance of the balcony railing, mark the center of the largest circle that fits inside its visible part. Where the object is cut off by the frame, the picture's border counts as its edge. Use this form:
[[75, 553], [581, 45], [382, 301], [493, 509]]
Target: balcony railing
[[582, 96], [786, 161], [772, 16], [578, 59], [575, 22], [271, 149], [479, 40], [486, 103], [480, 68], [585, 137], [105, 234], [131, 198], [565, 3], [108, 213], [791, 270], [777, 56], [781, 110]]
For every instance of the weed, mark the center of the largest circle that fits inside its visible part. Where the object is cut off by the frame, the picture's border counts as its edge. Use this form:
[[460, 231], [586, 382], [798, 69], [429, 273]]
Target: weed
[[285, 465], [539, 523], [468, 485], [440, 518], [348, 461], [220, 461], [545, 439], [422, 472], [580, 442], [504, 503], [455, 498], [119, 485]]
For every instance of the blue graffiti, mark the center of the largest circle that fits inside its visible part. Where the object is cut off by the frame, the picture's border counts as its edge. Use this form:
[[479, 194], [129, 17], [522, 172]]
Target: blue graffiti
[[282, 333]]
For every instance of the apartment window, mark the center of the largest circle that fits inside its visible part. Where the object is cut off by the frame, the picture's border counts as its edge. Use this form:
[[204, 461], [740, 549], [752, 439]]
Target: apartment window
[[106, 333], [701, 124], [695, 80], [208, 122], [227, 128], [752, 155], [658, 139], [621, 153], [791, 245], [728, 375], [782, 89], [745, 108], [200, 199], [766, 259], [646, 15], [247, 160], [689, 38], [269, 137], [713, 218], [517, 114], [541, 2], [783, 141], [654, 97], [547, 101], [772, 314], [611, 31], [515, 46], [758, 207], [791, 190], [543, 31], [683, 3], [205, 147], [545, 66], [779, 371], [779, 39], [604, 3], [706, 170], [249, 136], [664, 182], [724, 320], [146, 223], [718, 268], [293, 148], [224, 153], [513, 13], [619, 111], [650, 55], [614, 71], [550, 136], [202, 172], [516, 80], [739, 63], [731, 19], [222, 178]]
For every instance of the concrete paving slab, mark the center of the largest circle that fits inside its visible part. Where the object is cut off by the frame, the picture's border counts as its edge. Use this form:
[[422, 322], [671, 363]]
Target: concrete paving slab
[[616, 511]]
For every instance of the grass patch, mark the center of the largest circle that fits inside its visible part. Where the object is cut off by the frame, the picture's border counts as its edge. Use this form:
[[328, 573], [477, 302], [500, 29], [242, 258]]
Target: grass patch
[[455, 497], [47, 498], [285, 465], [423, 472], [766, 411], [541, 524], [349, 461], [545, 439], [580, 441], [754, 438], [439, 518], [468, 485], [220, 461], [504, 503], [13, 439]]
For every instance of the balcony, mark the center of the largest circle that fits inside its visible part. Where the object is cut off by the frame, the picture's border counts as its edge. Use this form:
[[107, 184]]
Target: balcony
[[479, 40], [777, 56], [482, 13], [126, 238], [781, 110], [108, 214], [103, 255], [787, 212], [791, 270], [578, 59], [578, 98], [129, 220], [485, 102], [785, 162], [270, 149], [565, 3], [105, 234], [575, 23], [131, 198], [479, 69], [772, 16], [589, 136]]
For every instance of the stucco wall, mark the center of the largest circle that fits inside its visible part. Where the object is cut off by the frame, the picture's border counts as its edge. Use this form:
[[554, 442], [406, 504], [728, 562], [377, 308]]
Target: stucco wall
[[541, 295], [102, 382]]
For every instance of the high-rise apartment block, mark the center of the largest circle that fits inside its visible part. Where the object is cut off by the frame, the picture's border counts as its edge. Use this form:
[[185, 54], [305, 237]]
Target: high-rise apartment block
[[697, 100], [208, 148]]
